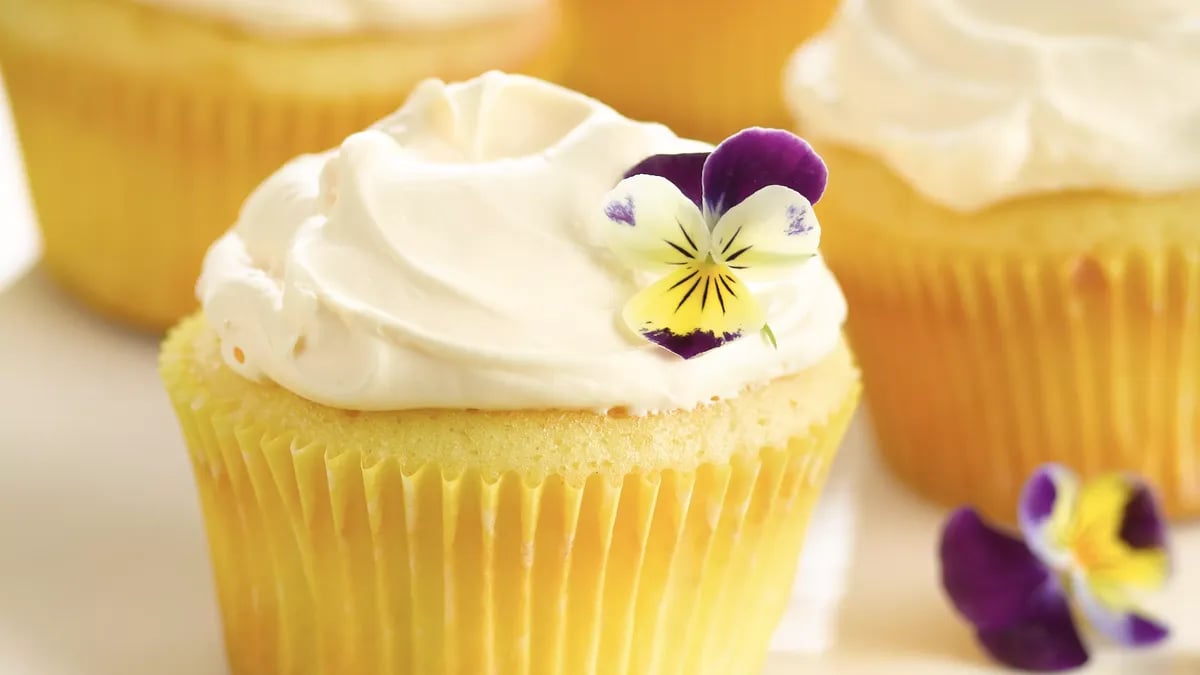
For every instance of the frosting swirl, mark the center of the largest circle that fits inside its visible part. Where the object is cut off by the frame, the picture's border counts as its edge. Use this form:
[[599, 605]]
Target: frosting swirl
[[977, 101], [454, 256], [309, 17]]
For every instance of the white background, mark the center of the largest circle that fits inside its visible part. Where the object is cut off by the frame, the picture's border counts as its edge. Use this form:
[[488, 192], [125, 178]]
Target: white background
[[103, 567]]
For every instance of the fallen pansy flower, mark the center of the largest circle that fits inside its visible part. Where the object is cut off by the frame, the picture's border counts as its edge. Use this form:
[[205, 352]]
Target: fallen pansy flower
[[1092, 546]]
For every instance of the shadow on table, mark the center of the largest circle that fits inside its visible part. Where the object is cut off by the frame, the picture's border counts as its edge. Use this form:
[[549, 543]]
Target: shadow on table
[[103, 567]]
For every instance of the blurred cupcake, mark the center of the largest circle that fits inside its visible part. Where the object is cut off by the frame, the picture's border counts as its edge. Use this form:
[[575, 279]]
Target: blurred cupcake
[[704, 67], [425, 439], [146, 122], [1019, 242]]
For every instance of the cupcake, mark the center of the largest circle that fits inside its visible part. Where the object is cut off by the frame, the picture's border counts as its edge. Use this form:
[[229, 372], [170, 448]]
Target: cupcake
[[440, 424], [811, 624], [1020, 243], [146, 122], [707, 68]]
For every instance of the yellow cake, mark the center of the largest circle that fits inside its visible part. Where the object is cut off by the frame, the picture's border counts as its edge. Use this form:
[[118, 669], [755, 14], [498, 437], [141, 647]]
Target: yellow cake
[[707, 68], [144, 126], [424, 441], [1026, 285]]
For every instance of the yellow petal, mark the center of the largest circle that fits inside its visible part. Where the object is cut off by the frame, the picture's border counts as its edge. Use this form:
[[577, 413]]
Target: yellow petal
[[1138, 570], [695, 309], [1096, 543]]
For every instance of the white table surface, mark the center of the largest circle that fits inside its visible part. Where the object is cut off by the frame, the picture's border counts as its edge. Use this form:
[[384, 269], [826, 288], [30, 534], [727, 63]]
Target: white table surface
[[103, 566]]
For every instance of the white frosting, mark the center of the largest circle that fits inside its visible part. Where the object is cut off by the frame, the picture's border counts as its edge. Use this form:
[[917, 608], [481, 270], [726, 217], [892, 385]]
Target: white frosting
[[306, 17], [976, 101], [453, 256]]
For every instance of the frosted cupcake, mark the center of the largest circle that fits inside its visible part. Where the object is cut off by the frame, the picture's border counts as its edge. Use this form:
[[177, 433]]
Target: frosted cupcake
[[441, 424], [146, 122], [707, 68], [1020, 243]]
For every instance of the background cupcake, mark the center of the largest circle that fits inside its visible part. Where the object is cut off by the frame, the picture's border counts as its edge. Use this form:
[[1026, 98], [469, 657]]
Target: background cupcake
[[145, 123], [424, 440], [1013, 225], [707, 68]]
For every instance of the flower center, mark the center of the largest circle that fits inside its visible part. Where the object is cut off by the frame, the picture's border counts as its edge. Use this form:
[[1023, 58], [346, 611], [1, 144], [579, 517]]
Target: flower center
[[1091, 549]]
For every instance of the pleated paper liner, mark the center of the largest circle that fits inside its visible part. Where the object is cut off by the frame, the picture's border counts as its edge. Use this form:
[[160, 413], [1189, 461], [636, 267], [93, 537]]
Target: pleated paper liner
[[333, 559], [706, 68], [135, 169], [980, 367], [811, 623]]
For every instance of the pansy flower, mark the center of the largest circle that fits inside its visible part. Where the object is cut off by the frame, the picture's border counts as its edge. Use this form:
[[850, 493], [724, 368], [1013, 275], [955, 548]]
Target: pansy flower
[[708, 224], [1093, 545]]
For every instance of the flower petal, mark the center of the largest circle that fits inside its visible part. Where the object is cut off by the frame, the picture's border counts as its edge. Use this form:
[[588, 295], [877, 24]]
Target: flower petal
[[684, 170], [1045, 513], [1044, 639], [1143, 525], [652, 226], [1111, 508], [767, 235], [1110, 611], [695, 309], [754, 158], [988, 574], [1019, 611]]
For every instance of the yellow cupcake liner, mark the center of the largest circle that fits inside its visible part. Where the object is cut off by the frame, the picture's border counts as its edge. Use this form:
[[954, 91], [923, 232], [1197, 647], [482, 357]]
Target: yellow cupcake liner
[[980, 367], [136, 168], [333, 560], [706, 68]]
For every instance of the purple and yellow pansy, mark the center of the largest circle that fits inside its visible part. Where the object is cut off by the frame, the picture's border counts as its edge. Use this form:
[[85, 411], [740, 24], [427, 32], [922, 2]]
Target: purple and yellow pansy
[[1095, 545], [709, 224]]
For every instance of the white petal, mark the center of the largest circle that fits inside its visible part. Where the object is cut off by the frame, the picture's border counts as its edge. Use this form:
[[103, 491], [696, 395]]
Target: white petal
[[767, 235], [652, 226]]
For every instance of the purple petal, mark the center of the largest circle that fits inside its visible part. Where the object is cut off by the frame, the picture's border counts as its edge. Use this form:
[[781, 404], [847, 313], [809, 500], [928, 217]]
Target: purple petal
[[755, 158], [1143, 526], [1044, 639], [1123, 626], [690, 345], [1047, 502], [988, 574], [1015, 603], [683, 170], [1037, 500]]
